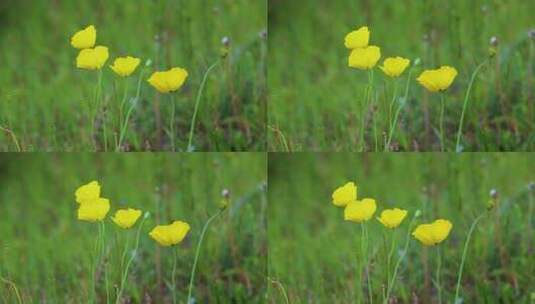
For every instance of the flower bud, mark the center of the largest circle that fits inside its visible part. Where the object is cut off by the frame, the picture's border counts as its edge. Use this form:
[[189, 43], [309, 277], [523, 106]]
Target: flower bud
[[417, 213]]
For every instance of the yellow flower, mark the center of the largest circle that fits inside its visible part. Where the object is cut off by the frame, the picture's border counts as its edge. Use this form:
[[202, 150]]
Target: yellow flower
[[358, 39], [392, 218], [360, 211], [85, 38], [92, 59], [434, 233], [168, 81], [394, 67], [126, 218], [87, 192], [125, 66], [364, 58], [167, 235], [439, 79], [345, 194], [94, 210]]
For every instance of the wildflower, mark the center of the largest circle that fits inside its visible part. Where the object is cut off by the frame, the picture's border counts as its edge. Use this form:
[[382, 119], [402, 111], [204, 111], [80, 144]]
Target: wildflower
[[126, 218], [364, 58], [358, 39], [394, 67], [168, 81], [94, 210], [85, 38], [345, 194], [360, 211], [392, 218], [167, 235], [434, 233], [125, 66], [439, 79], [87, 192], [92, 59]]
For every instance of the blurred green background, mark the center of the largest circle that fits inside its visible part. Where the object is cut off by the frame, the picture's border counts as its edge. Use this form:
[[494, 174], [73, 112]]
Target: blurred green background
[[44, 97], [45, 251], [312, 250], [315, 99]]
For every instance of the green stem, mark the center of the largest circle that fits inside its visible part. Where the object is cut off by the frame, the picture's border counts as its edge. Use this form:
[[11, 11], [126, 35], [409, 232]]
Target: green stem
[[465, 105], [173, 275], [97, 105], [124, 127], [398, 111], [366, 261], [190, 148], [197, 252], [442, 105], [365, 108], [124, 276], [437, 275], [465, 250], [400, 259], [390, 254], [172, 122], [103, 256]]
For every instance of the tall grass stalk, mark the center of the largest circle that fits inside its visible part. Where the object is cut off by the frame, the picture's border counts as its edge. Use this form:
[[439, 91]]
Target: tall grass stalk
[[465, 250], [190, 147], [197, 253], [458, 147], [124, 275]]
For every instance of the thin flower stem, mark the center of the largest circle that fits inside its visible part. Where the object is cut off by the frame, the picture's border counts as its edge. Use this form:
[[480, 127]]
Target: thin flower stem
[[365, 108], [465, 250], [172, 122], [132, 257], [390, 254], [96, 103], [442, 105], [133, 104], [366, 261], [190, 148], [465, 105], [96, 260], [396, 116], [173, 282], [103, 255], [401, 257], [197, 252], [437, 278]]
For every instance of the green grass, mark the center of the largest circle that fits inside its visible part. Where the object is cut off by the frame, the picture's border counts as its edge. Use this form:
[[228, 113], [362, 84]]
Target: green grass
[[316, 100], [313, 251], [46, 252], [45, 98]]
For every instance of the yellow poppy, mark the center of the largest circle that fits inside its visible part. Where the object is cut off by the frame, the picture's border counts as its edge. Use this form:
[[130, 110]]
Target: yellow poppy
[[364, 58], [392, 218], [85, 38], [168, 81], [87, 192], [439, 79], [92, 59], [394, 67], [93, 211], [345, 194], [167, 235], [360, 211], [125, 66], [358, 39], [434, 233], [126, 218]]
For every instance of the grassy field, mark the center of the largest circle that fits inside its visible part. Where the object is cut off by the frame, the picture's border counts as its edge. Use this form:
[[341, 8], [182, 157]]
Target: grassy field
[[44, 98], [313, 251], [317, 101], [45, 252]]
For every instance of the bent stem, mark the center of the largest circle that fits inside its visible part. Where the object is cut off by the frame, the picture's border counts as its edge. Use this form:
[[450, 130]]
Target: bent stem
[[442, 122], [396, 116], [197, 101], [465, 105], [133, 103], [124, 276], [192, 276], [437, 275], [400, 259], [465, 250]]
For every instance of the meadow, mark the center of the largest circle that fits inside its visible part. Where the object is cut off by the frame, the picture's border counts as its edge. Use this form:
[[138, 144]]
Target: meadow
[[46, 253], [318, 103], [313, 252], [47, 104]]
